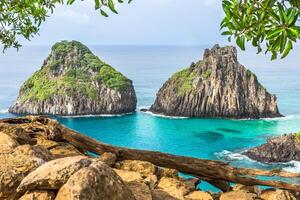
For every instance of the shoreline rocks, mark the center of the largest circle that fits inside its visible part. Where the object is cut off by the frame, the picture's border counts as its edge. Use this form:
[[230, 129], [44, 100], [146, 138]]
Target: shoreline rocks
[[283, 148], [218, 87], [30, 170], [73, 81]]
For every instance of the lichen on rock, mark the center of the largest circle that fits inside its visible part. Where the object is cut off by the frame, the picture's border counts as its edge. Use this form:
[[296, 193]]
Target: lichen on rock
[[73, 81], [217, 86]]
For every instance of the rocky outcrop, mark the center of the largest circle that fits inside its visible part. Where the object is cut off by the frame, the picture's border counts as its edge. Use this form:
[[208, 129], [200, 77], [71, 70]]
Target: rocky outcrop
[[283, 148], [73, 81], [29, 170], [217, 86]]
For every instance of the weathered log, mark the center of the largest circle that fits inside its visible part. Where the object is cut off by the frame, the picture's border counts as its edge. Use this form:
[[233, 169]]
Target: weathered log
[[213, 170]]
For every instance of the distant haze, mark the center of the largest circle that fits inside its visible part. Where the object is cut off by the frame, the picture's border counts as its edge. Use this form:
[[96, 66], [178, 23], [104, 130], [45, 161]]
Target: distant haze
[[143, 22]]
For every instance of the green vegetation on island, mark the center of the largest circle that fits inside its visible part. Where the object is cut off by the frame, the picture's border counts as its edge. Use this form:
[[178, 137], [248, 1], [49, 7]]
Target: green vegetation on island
[[81, 78], [184, 79]]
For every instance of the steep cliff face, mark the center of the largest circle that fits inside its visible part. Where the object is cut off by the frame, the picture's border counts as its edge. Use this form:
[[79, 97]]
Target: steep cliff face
[[217, 86], [73, 81]]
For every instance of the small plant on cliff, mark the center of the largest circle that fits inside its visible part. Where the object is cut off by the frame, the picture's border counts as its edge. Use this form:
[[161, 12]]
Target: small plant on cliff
[[206, 75], [184, 78], [298, 136]]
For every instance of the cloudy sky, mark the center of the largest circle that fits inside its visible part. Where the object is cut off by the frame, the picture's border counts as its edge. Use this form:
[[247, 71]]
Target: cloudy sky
[[143, 22]]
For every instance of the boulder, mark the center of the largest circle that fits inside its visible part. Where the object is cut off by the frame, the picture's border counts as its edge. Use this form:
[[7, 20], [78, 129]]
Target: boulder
[[95, 182], [16, 165], [199, 195], [239, 195], [217, 86], [142, 167], [140, 190], [52, 175], [129, 176], [73, 81], [272, 194], [253, 189], [166, 172], [158, 194], [39, 195], [7, 143], [108, 158], [175, 187]]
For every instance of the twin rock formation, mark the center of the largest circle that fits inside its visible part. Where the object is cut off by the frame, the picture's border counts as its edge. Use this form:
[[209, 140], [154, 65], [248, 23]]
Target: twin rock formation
[[73, 81]]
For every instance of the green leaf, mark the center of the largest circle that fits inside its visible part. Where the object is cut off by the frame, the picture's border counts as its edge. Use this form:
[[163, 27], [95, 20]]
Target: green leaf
[[103, 13], [111, 6], [287, 50]]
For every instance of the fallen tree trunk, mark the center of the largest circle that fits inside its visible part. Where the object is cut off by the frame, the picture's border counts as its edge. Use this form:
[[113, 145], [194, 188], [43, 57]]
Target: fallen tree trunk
[[215, 172], [211, 170]]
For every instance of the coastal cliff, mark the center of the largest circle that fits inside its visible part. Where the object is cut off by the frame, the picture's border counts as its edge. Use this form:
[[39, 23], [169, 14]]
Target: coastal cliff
[[217, 86], [73, 81]]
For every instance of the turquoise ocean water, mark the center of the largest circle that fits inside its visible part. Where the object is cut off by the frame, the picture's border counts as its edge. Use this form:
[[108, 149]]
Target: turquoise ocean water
[[149, 67]]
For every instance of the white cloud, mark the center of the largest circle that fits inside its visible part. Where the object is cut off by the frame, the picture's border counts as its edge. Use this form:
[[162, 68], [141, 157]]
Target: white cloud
[[69, 14]]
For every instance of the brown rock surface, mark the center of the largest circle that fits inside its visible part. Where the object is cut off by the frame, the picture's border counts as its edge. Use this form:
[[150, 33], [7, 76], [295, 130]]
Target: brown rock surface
[[239, 195], [175, 187], [199, 195], [108, 158], [140, 190], [166, 172], [129, 176], [253, 189], [142, 167], [95, 182], [158, 194], [277, 195], [53, 174], [14, 166], [39, 195]]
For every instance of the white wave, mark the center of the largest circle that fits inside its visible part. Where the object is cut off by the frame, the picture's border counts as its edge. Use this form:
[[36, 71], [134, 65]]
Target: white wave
[[293, 167], [100, 115], [285, 118], [164, 116], [229, 155], [2, 111]]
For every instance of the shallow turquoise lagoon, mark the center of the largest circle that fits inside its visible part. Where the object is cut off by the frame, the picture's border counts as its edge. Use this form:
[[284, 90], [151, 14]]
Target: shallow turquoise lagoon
[[149, 67]]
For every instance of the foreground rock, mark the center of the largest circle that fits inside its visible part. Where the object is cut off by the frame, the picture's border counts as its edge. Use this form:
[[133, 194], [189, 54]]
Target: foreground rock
[[52, 175], [284, 148], [30, 170], [95, 182], [73, 81], [217, 86]]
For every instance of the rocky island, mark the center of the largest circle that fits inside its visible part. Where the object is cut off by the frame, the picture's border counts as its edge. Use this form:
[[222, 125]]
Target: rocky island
[[73, 81], [43, 160], [284, 148], [217, 86]]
